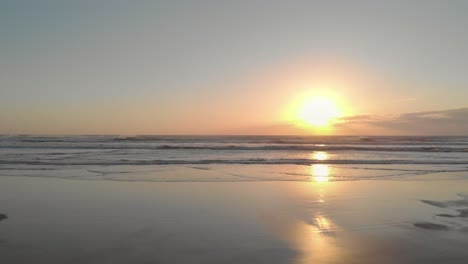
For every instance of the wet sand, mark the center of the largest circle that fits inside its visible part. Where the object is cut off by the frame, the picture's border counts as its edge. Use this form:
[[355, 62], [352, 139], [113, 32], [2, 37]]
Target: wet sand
[[71, 221]]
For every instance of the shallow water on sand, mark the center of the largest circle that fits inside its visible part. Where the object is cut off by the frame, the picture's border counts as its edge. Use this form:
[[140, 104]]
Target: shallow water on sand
[[386, 221]]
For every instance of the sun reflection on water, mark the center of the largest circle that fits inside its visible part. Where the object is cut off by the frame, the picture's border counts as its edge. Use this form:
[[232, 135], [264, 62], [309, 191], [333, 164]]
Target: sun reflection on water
[[314, 242], [323, 224], [315, 238], [312, 232], [320, 155], [320, 172]]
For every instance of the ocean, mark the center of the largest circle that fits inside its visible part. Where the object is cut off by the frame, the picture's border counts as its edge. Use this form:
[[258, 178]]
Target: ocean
[[233, 199], [234, 158]]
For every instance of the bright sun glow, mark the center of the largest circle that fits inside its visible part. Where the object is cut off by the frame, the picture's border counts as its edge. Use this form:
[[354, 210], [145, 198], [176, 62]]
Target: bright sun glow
[[318, 112]]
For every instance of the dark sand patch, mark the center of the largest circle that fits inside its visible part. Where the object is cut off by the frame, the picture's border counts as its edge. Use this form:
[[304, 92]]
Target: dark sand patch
[[446, 215], [456, 203], [432, 226], [435, 203], [3, 217], [200, 168], [458, 206], [463, 213]]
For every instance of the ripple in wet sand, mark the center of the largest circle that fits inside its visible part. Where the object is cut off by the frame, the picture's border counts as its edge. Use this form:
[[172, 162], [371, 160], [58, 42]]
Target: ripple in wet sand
[[460, 206], [432, 226]]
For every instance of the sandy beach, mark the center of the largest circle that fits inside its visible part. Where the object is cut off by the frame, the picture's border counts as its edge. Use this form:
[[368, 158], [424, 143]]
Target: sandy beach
[[84, 221]]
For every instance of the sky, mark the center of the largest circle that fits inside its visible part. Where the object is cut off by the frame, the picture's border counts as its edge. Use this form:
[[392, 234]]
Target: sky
[[232, 67]]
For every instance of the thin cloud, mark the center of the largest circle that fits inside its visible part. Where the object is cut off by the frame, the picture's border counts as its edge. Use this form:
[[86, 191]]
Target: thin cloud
[[443, 122]]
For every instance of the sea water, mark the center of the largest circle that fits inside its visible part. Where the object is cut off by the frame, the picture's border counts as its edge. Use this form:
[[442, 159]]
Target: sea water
[[234, 158]]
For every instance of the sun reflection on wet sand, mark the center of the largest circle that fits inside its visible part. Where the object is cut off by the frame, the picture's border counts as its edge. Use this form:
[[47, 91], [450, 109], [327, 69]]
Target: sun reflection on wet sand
[[320, 172], [314, 235], [314, 242], [307, 227], [323, 224]]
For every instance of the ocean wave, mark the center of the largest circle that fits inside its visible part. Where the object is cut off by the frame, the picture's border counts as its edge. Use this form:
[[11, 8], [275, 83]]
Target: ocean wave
[[245, 147], [259, 161], [280, 140], [320, 148]]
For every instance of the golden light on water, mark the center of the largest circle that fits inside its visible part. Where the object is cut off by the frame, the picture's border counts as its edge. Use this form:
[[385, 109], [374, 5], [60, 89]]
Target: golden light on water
[[313, 235], [320, 155], [324, 224], [314, 242], [320, 172]]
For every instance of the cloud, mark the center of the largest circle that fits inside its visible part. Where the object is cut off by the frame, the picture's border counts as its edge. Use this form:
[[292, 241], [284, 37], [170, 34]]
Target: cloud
[[358, 118], [451, 122], [443, 122]]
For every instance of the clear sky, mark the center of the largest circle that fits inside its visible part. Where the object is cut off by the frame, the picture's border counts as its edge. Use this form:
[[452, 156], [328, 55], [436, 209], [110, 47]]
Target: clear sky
[[231, 67]]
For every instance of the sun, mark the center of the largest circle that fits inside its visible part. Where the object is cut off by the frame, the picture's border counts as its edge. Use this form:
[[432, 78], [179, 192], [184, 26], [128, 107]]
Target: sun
[[318, 112]]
